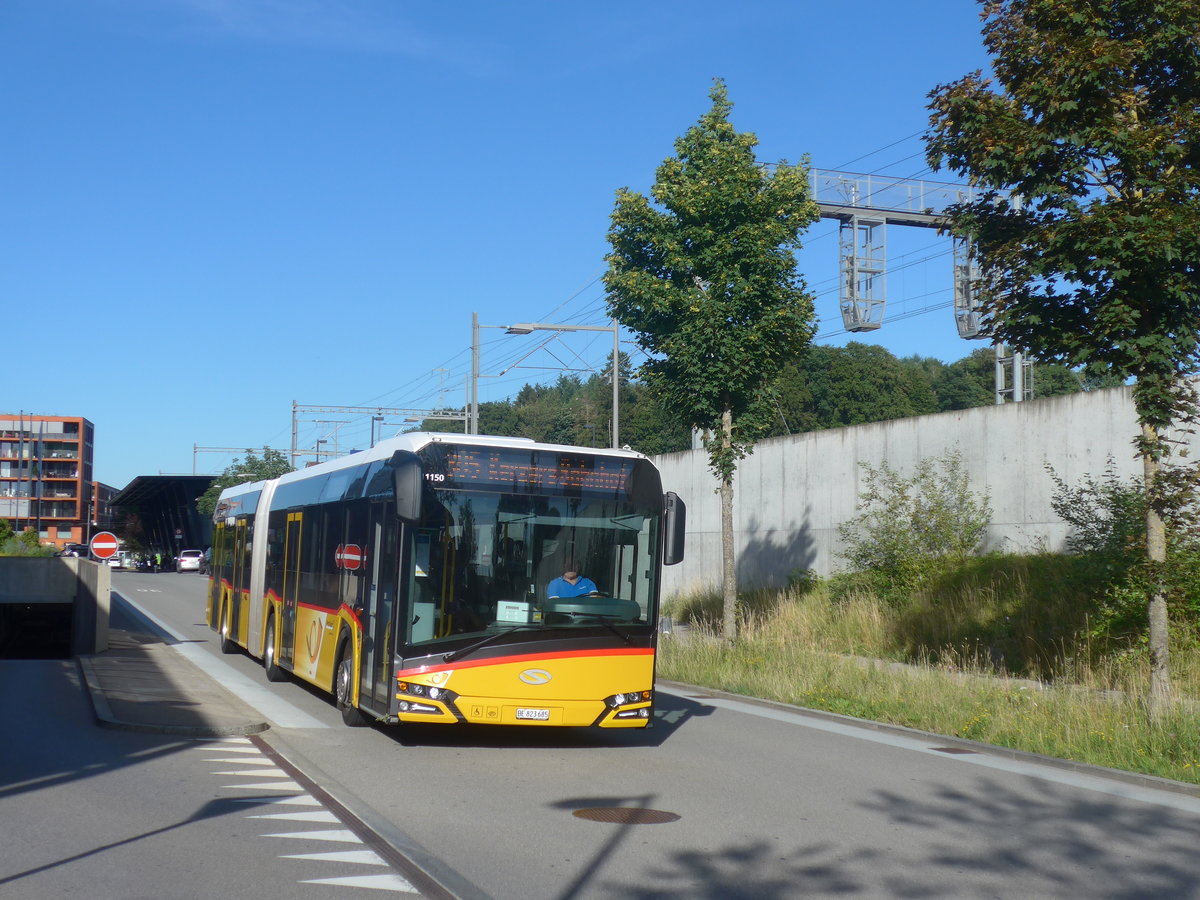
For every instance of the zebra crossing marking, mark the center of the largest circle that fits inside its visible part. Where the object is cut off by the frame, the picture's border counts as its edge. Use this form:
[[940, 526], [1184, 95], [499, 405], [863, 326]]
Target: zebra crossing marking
[[248, 761]]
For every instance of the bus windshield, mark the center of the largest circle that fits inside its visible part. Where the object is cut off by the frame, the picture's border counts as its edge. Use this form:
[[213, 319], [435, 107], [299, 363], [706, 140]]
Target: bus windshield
[[484, 562]]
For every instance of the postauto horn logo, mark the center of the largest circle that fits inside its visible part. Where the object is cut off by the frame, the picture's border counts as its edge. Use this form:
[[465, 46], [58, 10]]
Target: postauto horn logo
[[535, 676]]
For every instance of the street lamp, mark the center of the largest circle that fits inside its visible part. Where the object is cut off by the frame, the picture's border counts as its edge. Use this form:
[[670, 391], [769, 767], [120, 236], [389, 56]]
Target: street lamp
[[473, 399], [530, 327]]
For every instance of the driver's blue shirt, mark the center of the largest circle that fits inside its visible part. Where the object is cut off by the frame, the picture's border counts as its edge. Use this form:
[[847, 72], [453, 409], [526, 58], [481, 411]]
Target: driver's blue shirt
[[560, 587]]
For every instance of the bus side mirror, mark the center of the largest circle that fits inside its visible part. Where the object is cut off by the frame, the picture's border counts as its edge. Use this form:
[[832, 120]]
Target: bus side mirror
[[674, 523], [407, 485]]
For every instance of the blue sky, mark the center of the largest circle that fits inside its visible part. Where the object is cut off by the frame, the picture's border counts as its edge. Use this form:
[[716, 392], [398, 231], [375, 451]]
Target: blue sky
[[215, 208]]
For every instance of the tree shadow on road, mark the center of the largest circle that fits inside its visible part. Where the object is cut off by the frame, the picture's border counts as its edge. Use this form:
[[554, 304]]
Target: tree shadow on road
[[1038, 840]]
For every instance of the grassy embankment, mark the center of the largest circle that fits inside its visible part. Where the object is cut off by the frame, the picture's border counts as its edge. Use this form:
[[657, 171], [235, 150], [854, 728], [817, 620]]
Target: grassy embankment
[[999, 653]]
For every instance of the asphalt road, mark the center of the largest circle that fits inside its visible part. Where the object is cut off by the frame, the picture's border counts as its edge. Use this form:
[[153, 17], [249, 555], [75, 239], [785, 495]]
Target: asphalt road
[[92, 812], [741, 800]]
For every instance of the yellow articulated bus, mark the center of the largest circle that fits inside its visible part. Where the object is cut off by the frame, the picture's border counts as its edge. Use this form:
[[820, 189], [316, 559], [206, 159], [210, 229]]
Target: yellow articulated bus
[[453, 579]]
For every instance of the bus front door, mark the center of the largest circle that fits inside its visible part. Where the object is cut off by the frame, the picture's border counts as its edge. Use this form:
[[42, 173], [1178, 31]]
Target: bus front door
[[378, 644]]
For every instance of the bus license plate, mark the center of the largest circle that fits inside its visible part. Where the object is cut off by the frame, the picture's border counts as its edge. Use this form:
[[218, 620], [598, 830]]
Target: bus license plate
[[538, 715]]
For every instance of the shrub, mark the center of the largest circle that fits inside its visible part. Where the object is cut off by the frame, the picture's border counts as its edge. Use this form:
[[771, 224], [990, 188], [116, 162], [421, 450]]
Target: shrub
[[24, 544], [1108, 529], [911, 529]]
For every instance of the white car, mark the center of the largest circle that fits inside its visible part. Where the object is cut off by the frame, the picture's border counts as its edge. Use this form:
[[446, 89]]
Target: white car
[[189, 561]]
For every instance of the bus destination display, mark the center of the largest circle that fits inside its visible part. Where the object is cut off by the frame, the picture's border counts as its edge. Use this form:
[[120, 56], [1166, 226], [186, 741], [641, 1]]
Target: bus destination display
[[525, 471]]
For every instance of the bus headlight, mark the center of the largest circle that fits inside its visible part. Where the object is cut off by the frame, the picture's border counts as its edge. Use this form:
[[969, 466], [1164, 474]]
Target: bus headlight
[[618, 700], [643, 713], [409, 694]]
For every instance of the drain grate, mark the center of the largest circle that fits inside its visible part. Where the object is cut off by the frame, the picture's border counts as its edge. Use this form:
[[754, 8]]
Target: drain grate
[[955, 750], [625, 815]]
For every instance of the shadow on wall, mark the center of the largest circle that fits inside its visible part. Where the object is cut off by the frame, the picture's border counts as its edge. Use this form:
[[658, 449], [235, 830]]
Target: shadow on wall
[[769, 557]]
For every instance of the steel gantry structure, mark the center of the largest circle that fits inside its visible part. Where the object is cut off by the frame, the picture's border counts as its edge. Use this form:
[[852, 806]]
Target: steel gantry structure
[[864, 206]]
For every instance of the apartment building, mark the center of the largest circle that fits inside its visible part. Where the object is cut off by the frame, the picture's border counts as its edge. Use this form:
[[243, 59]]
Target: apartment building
[[46, 480]]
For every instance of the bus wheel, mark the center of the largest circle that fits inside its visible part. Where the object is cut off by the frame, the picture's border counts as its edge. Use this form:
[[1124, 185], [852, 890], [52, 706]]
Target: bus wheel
[[228, 645], [274, 671], [343, 691]]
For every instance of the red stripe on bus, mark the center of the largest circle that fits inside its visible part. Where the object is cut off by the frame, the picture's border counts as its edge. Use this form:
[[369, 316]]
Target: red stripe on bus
[[525, 658], [325, 609]]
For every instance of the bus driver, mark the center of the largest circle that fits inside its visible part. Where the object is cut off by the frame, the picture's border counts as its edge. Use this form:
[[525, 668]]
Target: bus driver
[[571, 583]]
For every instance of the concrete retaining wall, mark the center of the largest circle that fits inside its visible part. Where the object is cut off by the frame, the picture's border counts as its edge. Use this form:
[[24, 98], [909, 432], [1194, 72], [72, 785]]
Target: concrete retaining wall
[[63, 580], [791, 494]]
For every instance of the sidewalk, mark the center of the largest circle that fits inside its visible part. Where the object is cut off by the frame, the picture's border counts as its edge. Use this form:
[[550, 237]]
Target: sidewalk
[[141, 684]]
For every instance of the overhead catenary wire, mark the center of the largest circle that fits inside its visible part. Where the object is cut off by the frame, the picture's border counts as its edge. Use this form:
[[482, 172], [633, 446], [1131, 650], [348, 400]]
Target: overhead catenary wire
[[428, 390]]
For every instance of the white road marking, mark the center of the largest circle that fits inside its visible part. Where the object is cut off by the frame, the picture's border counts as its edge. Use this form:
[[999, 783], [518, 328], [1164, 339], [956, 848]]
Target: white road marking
[[362, 857], [339, 835], [257, 764], [320, 815], [260, 697], [294, 800], [267, 786], [388, 882]]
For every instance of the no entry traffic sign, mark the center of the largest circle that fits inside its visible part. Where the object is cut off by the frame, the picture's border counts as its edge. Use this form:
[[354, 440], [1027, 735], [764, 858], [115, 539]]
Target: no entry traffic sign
[[104, 545], [348, 556]]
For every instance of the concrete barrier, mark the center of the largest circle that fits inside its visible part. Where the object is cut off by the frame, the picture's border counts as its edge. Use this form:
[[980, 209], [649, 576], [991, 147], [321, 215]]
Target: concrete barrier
[[80, 584], [793, 492]]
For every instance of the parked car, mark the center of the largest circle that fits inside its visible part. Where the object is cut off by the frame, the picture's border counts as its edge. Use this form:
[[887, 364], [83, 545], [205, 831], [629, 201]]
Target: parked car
[[189, 561]]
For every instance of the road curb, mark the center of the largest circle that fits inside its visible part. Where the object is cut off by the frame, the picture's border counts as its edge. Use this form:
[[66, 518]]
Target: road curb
[[691, 691], [445, 880], [106, 718]]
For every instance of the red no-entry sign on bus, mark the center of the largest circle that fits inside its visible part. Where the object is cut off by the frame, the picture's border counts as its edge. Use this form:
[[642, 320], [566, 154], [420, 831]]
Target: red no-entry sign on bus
[[104, 545], [348, 556]]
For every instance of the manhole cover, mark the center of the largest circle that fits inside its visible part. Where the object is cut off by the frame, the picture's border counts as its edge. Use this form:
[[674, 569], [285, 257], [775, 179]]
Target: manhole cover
[[957, 750], [625, 815]]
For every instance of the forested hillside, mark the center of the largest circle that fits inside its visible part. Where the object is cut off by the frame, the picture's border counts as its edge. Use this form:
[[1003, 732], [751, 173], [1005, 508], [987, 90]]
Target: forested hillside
[[827, 388]]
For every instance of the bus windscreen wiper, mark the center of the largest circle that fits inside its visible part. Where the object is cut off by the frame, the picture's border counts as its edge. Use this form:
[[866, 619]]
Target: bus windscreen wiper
[[490, 639], [602, 619]]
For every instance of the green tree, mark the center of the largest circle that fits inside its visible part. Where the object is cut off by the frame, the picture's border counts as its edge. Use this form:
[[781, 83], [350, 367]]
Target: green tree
[[271, 464], [705, 278], [1053, 380], [649, 426], [970, 381], [1092, 258], [23, 543], [829, 387], [132, 532]]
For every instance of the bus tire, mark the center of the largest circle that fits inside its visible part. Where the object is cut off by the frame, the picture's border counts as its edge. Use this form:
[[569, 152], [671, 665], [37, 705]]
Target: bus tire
[[228, 645], [343, 690], [271, 666]]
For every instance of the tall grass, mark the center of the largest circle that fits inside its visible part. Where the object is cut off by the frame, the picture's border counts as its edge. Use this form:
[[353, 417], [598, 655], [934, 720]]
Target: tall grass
[[1000, 653]]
